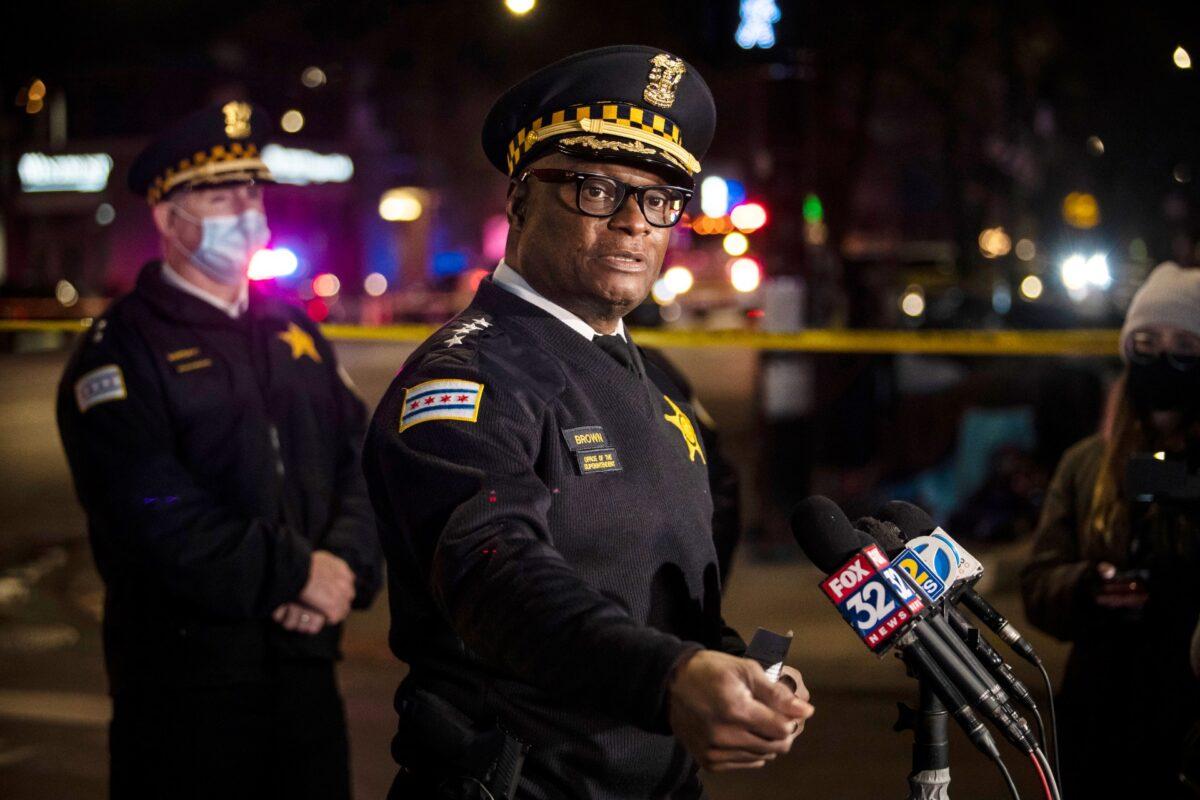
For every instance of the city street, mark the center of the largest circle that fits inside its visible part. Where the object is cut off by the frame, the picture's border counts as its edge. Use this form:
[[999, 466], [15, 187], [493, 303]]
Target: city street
[[53, 707]]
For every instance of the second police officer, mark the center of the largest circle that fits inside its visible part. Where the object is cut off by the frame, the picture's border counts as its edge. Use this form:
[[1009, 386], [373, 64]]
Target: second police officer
[[215, 448]]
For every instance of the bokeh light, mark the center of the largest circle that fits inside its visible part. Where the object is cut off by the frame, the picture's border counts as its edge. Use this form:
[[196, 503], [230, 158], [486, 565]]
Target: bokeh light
[[745, 274], [679, 279], [735, 244]]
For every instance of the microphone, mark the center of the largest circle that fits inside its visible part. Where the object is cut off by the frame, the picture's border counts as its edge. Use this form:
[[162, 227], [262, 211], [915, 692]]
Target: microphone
[[912, 523], [883, 610], [889, 538]]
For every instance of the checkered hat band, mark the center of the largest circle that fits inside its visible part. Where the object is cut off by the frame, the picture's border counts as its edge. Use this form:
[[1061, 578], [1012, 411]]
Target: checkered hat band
[[221, 159], [624, 114]]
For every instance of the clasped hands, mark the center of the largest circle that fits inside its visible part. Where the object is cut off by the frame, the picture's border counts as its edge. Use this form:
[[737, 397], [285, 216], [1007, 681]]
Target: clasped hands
[[325, 598]]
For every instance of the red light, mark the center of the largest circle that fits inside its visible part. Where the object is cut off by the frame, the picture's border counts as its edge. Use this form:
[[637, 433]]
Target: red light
[[473, 277], [317, 310], [755, 313]]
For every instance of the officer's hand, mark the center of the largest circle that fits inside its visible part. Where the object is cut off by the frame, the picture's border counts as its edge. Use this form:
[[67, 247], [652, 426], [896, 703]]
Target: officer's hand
[[295, 617], [330, 586], [729, 715]]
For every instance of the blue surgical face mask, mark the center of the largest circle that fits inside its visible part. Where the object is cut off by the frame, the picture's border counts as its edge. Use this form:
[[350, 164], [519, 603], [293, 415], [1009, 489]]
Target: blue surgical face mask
[[227, 242]]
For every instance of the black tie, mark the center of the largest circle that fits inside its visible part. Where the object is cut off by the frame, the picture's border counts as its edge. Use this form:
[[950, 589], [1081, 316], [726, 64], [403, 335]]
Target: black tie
[[618, 348]]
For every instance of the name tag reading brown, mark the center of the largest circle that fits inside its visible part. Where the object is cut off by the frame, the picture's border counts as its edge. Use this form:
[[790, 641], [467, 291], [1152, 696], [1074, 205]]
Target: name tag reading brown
[[590, 437]]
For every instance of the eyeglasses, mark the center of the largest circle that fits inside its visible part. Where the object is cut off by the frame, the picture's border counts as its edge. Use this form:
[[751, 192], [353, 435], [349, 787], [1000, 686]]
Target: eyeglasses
[[602, 196], [1181, 351]]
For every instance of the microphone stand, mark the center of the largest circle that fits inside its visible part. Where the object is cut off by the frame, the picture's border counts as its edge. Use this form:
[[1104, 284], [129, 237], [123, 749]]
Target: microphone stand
[[930, 776]]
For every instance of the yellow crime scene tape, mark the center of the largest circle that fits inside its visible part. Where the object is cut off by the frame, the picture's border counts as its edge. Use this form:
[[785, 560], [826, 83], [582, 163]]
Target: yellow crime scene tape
[[1097, 342]]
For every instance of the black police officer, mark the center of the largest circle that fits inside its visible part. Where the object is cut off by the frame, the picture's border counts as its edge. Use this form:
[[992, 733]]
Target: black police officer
[[540, 488], [215, 448]]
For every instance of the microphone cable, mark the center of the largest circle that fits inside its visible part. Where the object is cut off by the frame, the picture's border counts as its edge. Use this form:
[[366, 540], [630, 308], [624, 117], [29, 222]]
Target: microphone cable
[[1008, 778], [1041, 728], [1055, 750], [1043, 770]]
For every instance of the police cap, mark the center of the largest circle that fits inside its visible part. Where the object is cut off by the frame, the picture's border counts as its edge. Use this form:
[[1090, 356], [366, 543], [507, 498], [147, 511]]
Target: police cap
[[220, 144], [625, 103]]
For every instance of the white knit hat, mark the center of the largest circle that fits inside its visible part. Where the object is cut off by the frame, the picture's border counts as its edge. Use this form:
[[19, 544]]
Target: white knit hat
[[1170, 296]]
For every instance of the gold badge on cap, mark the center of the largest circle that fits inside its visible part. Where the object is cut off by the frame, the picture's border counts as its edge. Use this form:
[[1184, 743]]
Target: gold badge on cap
[[666, 72], [237, 119]]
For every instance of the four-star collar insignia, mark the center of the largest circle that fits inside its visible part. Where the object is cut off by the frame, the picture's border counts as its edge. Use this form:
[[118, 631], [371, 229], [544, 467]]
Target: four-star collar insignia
[[301, 343], [466, 329]]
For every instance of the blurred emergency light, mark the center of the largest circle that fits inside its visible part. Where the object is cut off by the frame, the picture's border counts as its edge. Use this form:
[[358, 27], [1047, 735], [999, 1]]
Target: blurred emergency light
[[714, 196], [748, 217], [745, 274], [495, 237], [272, 263]]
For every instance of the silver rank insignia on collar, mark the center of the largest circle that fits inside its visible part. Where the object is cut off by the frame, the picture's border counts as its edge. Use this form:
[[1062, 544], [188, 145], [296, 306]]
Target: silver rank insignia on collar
[[466, 329]]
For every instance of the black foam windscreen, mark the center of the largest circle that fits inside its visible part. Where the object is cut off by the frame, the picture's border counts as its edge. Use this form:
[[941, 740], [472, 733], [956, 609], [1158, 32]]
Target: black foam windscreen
[[909, 519], [825, 534], [886, 534]]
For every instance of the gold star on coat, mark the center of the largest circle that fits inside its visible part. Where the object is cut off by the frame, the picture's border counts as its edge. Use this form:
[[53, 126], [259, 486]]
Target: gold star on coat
[[680, 420], [300, 342]]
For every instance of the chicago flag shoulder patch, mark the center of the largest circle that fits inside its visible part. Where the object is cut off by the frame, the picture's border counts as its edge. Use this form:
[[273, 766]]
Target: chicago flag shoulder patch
[[100, 386], [447, 398]]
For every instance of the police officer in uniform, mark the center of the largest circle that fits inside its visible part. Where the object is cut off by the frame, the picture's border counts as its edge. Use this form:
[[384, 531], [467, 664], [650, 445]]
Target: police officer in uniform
[[215, 447], [542, 493]]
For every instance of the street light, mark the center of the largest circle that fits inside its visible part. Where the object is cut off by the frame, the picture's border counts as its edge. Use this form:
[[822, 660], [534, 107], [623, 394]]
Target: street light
[[520, 7], [1182, 58]]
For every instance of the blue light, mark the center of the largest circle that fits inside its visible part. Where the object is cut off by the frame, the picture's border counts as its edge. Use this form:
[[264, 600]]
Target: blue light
[[451, 262], [278, 262], [757, 25], [737, 193]]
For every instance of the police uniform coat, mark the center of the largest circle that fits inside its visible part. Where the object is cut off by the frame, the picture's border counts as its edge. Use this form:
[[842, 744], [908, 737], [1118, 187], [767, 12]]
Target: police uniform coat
[[547, 522], [212, 456]]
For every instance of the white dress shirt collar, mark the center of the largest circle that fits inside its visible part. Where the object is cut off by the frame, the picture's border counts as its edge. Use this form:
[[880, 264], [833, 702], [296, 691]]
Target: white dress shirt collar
[[233, 309], [513, 281]]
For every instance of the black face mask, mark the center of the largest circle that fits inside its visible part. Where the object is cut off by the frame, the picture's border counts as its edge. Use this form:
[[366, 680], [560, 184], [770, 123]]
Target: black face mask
[[1161, 386]]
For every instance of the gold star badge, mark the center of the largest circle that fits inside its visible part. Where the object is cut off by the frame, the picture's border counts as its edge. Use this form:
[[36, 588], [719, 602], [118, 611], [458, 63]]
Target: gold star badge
[[680, 420], [300, 342]]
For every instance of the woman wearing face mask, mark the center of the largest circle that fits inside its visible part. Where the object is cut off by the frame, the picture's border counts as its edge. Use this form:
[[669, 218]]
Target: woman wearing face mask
[[1116, 554]]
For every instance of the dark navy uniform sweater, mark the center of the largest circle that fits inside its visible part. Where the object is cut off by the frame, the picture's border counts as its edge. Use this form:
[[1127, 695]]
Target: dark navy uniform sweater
[[547, 522], [212, 456]]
